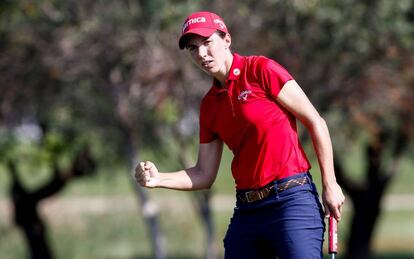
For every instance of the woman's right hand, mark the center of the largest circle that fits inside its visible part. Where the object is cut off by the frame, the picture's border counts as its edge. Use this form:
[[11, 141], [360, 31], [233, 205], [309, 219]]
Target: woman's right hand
[[147, 175]]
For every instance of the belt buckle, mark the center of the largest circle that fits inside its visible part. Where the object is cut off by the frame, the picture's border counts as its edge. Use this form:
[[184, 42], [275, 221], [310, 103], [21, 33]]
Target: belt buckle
[[257, 195], [251, 196]]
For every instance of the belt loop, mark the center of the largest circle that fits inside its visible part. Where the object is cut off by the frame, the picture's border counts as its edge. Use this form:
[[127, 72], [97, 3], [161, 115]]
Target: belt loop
[[276, 189], [309, 176], [310, 180]]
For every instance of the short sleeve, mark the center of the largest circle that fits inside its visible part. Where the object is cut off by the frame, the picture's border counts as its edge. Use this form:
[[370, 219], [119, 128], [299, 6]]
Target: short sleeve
[[273, 75]]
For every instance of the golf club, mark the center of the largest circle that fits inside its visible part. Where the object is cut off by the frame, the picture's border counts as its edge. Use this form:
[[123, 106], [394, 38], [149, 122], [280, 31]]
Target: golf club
[[333, 237]]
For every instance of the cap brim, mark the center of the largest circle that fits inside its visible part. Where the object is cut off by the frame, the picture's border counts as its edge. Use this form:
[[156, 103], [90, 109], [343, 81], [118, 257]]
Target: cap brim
[[203, 32]]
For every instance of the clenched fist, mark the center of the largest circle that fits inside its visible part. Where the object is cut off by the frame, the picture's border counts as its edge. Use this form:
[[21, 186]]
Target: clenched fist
[[146, 174]]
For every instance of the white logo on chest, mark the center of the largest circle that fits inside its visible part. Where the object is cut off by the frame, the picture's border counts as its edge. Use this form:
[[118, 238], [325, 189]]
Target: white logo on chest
[[243, 95]]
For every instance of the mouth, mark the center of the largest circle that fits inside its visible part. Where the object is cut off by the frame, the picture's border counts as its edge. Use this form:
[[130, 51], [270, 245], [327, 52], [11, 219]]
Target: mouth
[[206, 63]]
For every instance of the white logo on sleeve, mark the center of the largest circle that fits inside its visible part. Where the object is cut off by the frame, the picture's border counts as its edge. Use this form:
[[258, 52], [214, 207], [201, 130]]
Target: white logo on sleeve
[[243, 95]]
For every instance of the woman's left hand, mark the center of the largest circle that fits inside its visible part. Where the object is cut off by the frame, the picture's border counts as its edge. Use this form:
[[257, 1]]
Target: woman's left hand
[[333, 200]]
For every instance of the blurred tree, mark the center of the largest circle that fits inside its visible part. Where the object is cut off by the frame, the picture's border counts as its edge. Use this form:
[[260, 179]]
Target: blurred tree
[[26, 203], [102, 70], [111, 72]]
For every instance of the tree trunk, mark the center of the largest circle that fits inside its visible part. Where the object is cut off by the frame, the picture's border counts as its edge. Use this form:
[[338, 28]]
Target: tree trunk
[[366, 197], [149, 209], [35, 235], [27, 217], [26, 214], [366, 213], [202, 205], [150, 212]]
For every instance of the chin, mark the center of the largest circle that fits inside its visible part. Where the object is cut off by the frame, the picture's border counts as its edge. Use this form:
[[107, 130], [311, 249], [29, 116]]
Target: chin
[[210, 72], [213, 71]]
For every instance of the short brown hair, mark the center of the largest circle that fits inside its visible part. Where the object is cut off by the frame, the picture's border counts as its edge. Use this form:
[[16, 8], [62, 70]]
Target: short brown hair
[[222, 34]]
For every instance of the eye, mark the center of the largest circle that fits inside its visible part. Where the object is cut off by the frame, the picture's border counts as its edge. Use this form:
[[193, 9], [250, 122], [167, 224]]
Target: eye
[[208, 43], [191, 48]]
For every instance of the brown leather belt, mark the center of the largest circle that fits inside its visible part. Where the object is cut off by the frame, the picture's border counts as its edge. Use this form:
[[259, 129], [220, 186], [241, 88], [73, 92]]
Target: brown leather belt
[[260, 194]]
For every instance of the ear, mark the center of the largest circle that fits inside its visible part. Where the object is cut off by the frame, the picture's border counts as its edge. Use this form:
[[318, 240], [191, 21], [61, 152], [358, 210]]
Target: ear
[[227, 40]]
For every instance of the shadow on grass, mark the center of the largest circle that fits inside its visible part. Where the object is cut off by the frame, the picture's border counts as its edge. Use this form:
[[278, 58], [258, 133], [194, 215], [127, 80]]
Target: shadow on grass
[[388, 255], [394, 255], [385, 255], [169, 257]]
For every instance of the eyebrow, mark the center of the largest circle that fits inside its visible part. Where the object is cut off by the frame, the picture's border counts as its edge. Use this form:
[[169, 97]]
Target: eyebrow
[[201, 42]]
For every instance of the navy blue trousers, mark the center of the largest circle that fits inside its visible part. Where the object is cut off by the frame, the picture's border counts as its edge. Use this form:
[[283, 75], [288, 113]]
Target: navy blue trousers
[[285, 225]]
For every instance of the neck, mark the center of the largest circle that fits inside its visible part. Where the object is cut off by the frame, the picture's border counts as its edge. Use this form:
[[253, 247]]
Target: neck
[[223, 74]]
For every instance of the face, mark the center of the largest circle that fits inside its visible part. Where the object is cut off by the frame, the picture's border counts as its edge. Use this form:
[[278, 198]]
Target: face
[[211, 54]]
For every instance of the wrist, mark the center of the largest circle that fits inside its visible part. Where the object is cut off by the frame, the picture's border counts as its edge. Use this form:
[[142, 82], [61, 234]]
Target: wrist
[[328, 180]]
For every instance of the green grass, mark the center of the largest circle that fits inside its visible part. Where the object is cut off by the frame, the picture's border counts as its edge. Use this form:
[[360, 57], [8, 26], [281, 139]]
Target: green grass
[[11, 242], [120, 182], [101, 236], [395, 231], [124, 235]]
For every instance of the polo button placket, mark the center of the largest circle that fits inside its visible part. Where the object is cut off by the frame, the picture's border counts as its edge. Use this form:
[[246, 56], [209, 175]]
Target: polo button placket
[[229, 90]]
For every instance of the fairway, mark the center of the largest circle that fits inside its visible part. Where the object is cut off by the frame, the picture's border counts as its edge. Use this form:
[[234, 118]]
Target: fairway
[[108, 227]]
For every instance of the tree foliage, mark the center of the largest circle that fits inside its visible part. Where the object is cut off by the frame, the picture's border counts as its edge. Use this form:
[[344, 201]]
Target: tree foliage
[[110, 72]]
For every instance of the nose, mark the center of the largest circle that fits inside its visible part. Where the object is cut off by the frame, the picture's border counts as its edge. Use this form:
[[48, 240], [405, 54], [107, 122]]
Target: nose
[[202, 51]]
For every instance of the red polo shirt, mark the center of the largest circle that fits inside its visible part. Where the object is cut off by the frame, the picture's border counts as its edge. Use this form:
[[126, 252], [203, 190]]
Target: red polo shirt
[[261, 134]]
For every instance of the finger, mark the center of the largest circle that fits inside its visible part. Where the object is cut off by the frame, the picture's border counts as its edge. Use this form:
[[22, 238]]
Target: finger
[[141, 175], [340, 208], [326, 210], [337, 214], [143, 180], [143, 165], [143, 183], [146, 178], [148, 165], [137, 173], [138, 168]]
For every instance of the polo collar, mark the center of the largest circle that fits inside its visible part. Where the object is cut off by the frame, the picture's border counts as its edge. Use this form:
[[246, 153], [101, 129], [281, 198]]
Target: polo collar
[[236, 67], [235, 72]]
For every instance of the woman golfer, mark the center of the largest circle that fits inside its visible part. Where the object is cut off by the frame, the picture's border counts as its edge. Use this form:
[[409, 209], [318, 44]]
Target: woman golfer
[[252, 107]]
